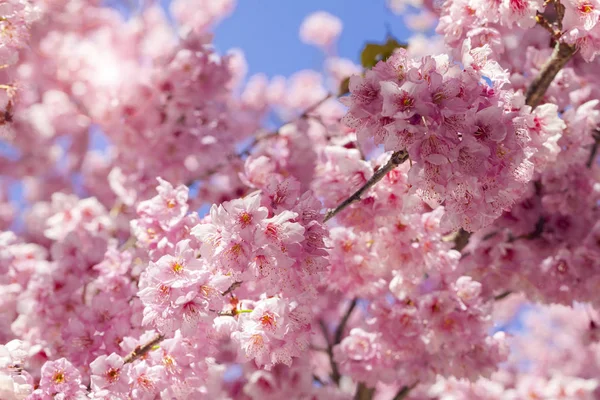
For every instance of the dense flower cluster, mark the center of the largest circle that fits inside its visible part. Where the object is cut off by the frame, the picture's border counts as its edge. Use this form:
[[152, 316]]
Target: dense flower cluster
[[470, 143], [430, 233]]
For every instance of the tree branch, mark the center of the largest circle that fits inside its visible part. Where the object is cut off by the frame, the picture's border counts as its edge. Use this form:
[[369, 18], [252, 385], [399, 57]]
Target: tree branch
[[231, 288], [342, 326], [544, 23], [141, 350], [404, 391], [257, 139], [304, 115], [461, 240], [337, 338], [502, 295], [560, 56], [535, 93], [363, 392], [594, 152], [397, 158]]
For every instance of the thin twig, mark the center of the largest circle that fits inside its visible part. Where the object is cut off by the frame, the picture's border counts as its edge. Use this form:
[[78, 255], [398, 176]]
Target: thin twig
[[404, 391], [335, 373], [141, 350], [502, 295], [560, 56], [339, 332], [536, 233], [594, 152], [268, 135], [231, 288], [337, 338], [259, 138], [397, 158]]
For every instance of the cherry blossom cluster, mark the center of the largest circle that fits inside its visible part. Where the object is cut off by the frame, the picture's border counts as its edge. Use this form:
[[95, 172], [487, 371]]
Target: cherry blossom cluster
[[417, 299], [161, 238], [469, 143], [490, 20], [569, 371], [547, 245]]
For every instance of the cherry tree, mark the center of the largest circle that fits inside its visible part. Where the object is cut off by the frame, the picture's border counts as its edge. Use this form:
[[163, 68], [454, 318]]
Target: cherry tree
[[424, 225]]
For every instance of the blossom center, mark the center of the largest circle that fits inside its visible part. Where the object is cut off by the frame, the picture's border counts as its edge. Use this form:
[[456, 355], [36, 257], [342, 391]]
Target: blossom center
[[586, 8], [177, 267], [268, 321], [59, 377], [112, 375], [245, 219]]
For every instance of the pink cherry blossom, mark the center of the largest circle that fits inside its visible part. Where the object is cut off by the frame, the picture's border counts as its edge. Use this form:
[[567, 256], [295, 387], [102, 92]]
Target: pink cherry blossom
[[320, 29]]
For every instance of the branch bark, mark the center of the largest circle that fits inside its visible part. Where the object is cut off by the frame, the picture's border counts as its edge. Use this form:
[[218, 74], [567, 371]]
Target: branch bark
[[397, 158], [363, 392], [141, 350], [231, 288], [594, 151], [404, 391], [560, 57], [337, 338]]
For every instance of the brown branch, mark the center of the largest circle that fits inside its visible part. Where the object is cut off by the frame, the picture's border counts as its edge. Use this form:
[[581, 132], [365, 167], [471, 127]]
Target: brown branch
[[404, 391], [594, 151], [536, 233], [461, 239], [502, 295], [141, 350], [231, 288], [560, 56], [335, 372], [544, 23], [560, 14], [337, 338], [363, 392], [397, 158], [535, 93], [339, 332]]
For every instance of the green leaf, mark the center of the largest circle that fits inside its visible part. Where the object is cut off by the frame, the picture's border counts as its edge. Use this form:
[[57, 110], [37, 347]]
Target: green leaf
[[344, 87], [372, 53]]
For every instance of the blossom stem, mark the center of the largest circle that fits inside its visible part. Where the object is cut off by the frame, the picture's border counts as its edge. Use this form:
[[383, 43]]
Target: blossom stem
[[398, 157], [140, 350]]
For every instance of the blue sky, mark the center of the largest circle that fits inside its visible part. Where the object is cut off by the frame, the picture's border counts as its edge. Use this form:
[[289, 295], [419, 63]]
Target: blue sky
[[267, 31]]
